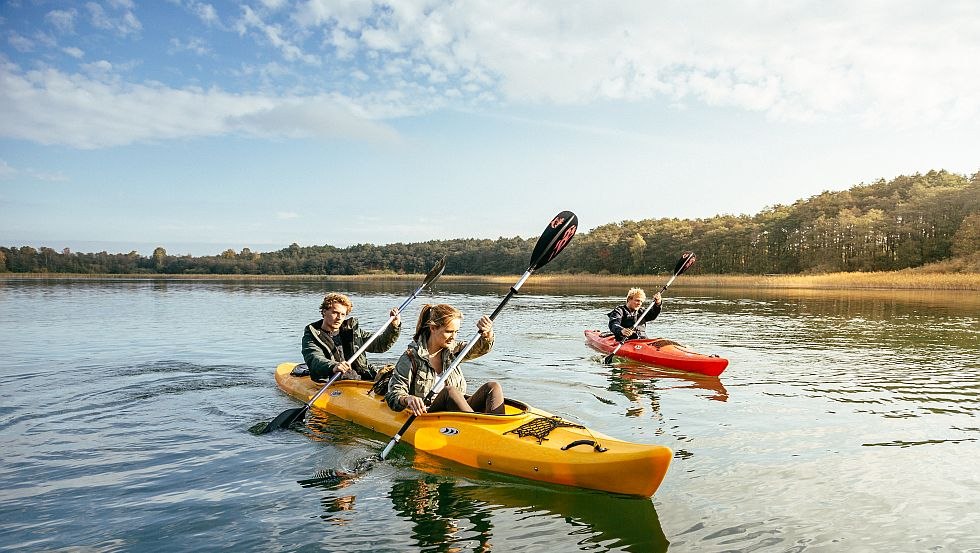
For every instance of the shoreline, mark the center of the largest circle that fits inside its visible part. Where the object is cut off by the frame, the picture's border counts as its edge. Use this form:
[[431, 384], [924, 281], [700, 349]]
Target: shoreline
[[894, 280]]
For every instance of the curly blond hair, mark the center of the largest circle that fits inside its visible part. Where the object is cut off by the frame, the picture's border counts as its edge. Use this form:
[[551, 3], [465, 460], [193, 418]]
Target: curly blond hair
[[636, 293], [334, 297]]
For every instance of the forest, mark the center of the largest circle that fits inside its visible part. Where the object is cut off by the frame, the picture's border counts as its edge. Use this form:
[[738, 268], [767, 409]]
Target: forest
[[905, 222]]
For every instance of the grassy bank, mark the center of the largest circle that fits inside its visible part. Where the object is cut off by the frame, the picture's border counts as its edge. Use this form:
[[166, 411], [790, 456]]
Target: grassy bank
[[893, 280]]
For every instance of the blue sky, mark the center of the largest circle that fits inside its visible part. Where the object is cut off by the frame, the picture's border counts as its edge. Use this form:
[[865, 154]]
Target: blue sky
[[201, 126]]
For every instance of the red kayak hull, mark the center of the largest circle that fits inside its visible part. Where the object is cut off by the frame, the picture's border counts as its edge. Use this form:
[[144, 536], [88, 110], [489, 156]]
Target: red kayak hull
[[658, 351]]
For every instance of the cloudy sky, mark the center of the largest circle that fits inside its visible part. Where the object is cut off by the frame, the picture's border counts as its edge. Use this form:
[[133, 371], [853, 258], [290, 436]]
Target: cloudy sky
[[199, 126]]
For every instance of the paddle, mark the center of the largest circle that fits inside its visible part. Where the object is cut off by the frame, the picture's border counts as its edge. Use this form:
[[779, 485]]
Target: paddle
[[554, 239], [290, 416], [683, 264]]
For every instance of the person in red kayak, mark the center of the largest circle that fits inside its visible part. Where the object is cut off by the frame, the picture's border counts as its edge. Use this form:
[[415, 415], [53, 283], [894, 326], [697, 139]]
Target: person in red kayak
[[433, 349], [328, 343], [623, 319]]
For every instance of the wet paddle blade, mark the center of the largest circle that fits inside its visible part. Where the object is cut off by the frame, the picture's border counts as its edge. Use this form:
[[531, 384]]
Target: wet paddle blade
[[684, 263], [285, 419], [434, 273]]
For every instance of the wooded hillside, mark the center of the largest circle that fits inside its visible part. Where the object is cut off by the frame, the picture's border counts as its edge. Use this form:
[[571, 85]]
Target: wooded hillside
[[908, 221]]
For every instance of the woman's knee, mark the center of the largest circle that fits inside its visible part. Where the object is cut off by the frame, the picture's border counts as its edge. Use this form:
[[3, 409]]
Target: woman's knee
[[457, 399]]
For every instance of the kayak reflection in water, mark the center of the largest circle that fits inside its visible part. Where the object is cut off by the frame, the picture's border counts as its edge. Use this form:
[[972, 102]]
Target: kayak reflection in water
[[623, 319], [433, 348]]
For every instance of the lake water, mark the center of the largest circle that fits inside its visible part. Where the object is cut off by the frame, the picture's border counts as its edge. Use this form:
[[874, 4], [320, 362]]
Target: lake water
[[845, 422]]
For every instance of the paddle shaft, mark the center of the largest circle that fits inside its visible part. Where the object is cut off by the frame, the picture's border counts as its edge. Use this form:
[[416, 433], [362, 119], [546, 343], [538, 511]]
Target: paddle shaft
[[446, 372]]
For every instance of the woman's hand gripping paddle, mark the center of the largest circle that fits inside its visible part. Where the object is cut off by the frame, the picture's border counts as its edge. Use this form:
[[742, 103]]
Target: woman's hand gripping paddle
[[683, 264], [290, 416], [554, 239]]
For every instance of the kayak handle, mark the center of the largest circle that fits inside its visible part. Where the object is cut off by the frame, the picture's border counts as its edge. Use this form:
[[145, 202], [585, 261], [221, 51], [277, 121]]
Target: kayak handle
[[592, 443]]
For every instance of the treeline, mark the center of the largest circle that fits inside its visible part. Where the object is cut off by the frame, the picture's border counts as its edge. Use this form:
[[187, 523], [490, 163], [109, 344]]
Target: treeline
[[888, 225]]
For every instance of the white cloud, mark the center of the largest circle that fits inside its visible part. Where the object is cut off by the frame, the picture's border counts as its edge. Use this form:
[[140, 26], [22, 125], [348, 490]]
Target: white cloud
[[273, 5], [52, 107], [194, 45], [63, 20], [274, 34], [99, 68], [206, 13], [905, 63], [286, 215], [346, 14], [125, 24], [74, 52], [20, 42]]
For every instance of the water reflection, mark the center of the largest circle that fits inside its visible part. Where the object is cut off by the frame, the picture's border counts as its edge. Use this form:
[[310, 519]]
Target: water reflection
[[635, 379], [450, 507], [448, 514]]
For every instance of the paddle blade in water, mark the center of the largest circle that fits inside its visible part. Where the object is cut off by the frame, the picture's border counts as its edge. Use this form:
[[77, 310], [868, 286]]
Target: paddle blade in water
[[284, 420], [554, 239]]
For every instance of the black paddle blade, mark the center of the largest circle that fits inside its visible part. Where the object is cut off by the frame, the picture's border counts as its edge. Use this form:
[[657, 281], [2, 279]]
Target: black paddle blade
[[554, 239], [285, 419], [434, 273], [684, 263], [607, 360]]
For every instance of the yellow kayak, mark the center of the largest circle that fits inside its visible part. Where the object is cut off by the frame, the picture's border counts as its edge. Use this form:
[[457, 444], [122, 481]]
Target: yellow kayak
[[525, 441]]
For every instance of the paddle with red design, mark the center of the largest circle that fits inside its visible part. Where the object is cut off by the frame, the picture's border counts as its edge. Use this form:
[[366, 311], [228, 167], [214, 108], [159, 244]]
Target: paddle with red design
[[555, 238], [683, 264]]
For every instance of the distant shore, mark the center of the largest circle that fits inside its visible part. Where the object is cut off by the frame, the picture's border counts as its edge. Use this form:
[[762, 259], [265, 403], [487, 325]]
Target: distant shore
[[894, 280]]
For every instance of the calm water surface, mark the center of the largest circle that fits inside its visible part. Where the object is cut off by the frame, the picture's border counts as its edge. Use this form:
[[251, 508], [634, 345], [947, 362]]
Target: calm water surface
[[845, 422]]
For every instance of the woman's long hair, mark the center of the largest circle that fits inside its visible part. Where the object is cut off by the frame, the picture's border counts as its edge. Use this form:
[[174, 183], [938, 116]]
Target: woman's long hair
[[433, 316]]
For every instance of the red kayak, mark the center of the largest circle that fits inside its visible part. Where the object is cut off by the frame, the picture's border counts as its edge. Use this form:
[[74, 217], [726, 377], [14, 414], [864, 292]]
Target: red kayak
[[658, 351]]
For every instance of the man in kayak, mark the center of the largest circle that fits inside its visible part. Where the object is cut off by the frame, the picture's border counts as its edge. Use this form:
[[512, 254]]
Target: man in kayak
[[433, 348], [329, 342], [622, 320]]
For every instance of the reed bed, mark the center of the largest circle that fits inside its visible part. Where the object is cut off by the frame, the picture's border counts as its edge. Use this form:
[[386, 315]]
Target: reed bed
[[893, 280]]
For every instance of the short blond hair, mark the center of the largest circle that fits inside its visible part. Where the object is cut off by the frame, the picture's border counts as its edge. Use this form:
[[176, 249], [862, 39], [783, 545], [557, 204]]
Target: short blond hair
[[636, 293], [334, 297]]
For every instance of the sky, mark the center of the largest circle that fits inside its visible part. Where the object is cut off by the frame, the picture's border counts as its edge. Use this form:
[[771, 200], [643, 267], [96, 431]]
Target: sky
[[201, 126]]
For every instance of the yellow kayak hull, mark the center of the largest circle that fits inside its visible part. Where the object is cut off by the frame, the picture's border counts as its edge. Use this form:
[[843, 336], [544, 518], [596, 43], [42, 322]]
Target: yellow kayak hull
[[498, 443]]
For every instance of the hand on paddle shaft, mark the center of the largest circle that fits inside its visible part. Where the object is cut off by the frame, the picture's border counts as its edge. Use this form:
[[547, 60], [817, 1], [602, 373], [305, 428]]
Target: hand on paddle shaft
[[684, 263], [555, 238], [290, 416], [629, 332]]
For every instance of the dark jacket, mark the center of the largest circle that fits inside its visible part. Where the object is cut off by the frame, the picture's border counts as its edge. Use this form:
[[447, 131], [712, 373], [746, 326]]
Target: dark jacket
[[322, 354], [622, 318]]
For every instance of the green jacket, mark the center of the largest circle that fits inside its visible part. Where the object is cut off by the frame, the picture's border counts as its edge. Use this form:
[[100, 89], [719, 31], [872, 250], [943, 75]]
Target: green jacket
[[425, 379], [322, 354]]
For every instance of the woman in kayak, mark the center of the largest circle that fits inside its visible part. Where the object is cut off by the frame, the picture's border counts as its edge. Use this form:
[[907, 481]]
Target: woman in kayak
[[433, 348], [328, 343], [622, 320]]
